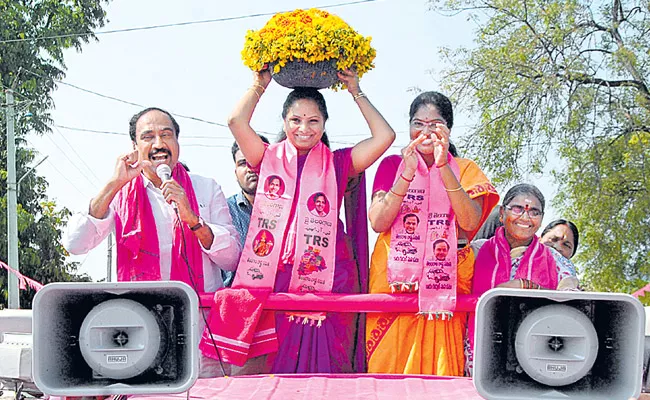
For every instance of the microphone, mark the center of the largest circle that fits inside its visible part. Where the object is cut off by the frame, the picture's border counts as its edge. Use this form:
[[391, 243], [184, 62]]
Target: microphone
[[165, 173]]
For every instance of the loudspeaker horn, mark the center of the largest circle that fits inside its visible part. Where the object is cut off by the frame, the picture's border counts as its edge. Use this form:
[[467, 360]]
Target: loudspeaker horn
[[558, 345], [95, 339]]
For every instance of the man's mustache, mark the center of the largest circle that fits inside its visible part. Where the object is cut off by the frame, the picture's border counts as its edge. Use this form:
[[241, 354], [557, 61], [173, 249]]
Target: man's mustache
[[158, 151]]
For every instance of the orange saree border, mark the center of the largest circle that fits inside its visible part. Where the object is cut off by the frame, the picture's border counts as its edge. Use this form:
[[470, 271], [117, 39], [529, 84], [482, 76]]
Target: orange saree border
[[375, 336]]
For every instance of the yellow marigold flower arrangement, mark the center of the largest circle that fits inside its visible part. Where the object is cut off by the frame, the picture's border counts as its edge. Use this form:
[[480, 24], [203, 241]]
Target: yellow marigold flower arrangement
[[309, 35]]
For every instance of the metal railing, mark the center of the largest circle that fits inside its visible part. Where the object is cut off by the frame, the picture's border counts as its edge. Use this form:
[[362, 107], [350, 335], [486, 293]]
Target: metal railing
[[343, 302]]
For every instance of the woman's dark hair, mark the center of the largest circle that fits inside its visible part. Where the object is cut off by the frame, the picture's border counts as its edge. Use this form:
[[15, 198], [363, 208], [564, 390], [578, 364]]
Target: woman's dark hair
[[302, 93], [524, 188], [452, 150], [436, 99], [571, 226], [305, 94]]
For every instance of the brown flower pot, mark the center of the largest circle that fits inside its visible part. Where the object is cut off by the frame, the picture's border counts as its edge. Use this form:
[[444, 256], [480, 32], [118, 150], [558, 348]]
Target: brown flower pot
[[299, 73]]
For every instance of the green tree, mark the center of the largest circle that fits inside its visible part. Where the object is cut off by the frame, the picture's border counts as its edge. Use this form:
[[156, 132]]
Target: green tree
[[563, 84], [33, 37]]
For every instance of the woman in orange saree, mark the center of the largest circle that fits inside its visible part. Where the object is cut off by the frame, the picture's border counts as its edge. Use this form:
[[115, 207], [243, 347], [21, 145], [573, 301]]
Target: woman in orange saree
[[408, 343]]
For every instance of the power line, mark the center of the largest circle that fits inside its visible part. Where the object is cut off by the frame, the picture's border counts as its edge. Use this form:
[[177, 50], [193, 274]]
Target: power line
[[221, 146], [60, 173], [132, 103], [75, 152], [198, 137], [171, 112], [72, 162], [176, 24], [123, 101], [71, 128], [84, 260], [66, 178]]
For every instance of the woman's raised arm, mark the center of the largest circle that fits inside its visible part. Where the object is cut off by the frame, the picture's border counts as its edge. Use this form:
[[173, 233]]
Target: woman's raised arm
[[251, 146], [368, 150]]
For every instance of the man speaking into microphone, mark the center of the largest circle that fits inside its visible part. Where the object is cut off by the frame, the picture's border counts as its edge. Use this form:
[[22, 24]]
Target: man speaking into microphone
[[169, 224]]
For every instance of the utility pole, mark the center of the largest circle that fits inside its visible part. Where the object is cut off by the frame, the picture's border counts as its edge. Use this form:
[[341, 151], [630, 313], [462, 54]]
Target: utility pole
[[109, 261], [26, 174], [12, 204]]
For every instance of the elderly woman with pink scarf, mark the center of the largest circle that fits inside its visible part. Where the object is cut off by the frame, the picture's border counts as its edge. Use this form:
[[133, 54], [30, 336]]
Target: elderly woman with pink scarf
[[515, 257]]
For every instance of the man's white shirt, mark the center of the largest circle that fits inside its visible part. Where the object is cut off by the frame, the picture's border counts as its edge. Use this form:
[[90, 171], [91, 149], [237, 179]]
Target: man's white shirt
[[85, 232]]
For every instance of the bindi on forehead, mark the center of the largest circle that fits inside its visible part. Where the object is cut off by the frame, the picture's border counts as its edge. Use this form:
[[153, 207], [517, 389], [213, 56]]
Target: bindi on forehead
[[295, 113], [527, 200]]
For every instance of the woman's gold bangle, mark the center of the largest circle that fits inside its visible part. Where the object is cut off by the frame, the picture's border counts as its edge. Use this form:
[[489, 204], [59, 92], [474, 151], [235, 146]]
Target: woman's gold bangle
[[459, 188], [358, 96], [254, 89]]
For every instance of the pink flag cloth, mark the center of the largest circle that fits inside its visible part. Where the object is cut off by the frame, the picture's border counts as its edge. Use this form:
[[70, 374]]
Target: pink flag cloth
[[642, 292], [138, 252], [23, 281], [239, 327]]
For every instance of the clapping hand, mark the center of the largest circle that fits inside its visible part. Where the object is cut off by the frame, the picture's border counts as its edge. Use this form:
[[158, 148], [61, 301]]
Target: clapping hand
[[410, 157], [440, 139]]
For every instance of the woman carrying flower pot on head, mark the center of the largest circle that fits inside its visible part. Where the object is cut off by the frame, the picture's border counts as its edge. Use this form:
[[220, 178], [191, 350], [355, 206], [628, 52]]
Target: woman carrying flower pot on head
[[452, 197], [314, 254]]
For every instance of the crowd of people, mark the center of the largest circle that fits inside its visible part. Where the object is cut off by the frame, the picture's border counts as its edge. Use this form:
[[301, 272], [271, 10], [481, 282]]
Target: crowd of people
[[442, 233]]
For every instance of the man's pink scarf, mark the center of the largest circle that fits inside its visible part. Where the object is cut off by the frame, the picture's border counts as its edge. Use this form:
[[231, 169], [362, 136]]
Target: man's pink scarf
[[412, 264], [282, 231], [138, 252]]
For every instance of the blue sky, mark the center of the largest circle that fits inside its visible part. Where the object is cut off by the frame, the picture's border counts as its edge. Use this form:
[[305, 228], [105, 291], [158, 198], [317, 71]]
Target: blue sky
[[196, 70]]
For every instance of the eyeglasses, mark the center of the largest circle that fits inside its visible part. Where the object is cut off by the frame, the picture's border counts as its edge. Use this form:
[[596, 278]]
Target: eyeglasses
[[420, 125], [520, 210]]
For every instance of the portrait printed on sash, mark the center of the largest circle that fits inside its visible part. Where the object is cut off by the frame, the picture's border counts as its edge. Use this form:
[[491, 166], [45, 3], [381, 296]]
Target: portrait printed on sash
[[274, 187], [318, 204]]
